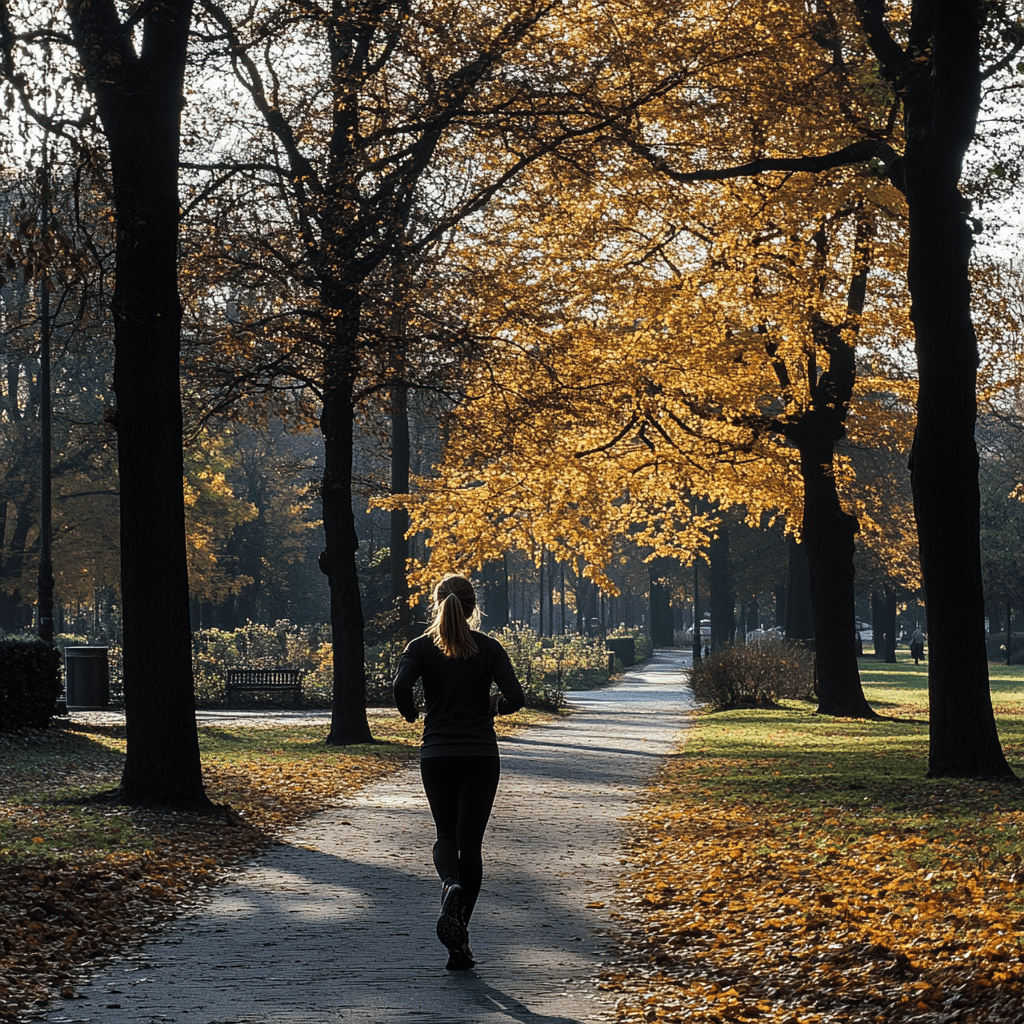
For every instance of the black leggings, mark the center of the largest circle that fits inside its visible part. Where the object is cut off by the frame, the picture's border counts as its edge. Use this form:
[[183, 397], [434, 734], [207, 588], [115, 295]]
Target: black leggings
[[460, 791]]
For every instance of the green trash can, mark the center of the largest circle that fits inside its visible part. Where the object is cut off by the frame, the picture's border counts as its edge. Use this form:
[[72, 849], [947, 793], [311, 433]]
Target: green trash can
[[86, 678]]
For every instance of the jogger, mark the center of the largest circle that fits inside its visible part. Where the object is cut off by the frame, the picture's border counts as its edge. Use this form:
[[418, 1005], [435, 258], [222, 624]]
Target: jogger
[[459, 753]]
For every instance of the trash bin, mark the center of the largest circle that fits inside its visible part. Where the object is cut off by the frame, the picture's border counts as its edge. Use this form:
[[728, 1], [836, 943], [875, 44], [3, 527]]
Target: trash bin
[[87, 678], [624, 648]]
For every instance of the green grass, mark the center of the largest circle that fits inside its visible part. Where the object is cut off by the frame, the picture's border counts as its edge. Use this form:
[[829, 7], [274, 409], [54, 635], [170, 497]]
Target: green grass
[[50, 774], [863, 776]]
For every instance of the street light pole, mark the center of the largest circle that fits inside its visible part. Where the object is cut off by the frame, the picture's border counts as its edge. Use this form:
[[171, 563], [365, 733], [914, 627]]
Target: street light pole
[[44, 612]]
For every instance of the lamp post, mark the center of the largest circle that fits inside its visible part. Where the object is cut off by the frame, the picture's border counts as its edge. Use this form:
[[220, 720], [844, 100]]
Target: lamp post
[[44, 606]]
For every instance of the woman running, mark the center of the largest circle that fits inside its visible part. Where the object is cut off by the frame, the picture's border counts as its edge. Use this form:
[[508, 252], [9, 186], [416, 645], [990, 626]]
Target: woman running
[[459, 754]]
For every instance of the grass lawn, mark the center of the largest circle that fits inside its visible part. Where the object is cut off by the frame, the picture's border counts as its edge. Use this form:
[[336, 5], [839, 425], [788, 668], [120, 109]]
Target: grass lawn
[[792, 869], [82, 880]]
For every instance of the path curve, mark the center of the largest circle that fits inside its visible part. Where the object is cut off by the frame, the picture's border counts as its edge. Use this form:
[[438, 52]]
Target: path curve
[[336, 923]]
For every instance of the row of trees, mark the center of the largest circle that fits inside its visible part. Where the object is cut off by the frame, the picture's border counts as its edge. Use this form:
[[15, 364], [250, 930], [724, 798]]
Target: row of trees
[[568, 222]]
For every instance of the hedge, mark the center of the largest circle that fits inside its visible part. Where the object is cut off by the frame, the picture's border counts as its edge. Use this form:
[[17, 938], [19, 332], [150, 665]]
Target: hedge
[[30, 682]]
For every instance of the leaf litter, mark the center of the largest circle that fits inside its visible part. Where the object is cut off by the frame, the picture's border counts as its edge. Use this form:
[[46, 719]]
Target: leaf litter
[[82, 882], [730, 912]]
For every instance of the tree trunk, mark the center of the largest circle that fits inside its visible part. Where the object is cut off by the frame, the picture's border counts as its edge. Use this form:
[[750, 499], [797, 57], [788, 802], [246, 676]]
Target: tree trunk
[[753, 620], [941, 97], [1009, 634], [660, 610], [551, 593], [779, 593], [139, 99], [889, 623], [540, 600], [697, 644], [349, 723], [828, 533], [878, 623], [799, 620], [399, 525], [14, 612], [723, 601], [494, 581], [561, 570]]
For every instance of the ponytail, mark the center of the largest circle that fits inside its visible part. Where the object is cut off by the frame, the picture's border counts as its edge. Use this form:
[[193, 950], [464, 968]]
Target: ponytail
[[454, 612]]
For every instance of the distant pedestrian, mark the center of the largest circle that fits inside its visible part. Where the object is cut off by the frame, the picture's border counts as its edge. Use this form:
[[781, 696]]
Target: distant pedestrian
[[459, 754], [917, 645]]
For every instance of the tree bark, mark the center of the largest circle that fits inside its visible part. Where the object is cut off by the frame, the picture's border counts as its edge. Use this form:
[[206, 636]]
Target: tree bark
[[799, 620], [660, 610], [828, 533], [723, 600], [349, 722], [399, 525], [139, 98], [941, 97], [494, 582], [1009, 634], [889, 625]]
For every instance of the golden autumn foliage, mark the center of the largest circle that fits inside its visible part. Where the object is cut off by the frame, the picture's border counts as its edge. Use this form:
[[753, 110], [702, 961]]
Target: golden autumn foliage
[[627, 387], [650, 338]]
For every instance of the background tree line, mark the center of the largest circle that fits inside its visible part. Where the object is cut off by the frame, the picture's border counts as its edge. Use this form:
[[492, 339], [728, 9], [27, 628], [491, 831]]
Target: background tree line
[[655, 258]]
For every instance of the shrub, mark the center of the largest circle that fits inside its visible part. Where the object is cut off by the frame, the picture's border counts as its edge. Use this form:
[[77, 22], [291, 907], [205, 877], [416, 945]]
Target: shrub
[[547, 668], [381, 662], [755, 675], [282, 645], [574, 662], [30, 682], [642, 646]]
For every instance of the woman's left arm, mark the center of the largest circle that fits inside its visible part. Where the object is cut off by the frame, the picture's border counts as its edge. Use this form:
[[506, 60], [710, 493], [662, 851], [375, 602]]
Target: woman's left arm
[[406, 674], [511, 697]]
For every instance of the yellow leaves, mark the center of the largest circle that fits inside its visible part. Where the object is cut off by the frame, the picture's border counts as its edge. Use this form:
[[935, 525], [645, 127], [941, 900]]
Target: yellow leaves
[[730, 918]]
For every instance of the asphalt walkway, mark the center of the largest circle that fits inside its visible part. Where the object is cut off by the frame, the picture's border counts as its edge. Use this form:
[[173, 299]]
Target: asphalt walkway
[[336, 923]]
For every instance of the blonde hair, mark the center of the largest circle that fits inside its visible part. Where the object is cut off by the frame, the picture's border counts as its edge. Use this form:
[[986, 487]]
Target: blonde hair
[[455, 612]]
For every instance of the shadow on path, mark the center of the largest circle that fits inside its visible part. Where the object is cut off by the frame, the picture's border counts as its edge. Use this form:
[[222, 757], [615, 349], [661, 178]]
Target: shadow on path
[[336, 923]]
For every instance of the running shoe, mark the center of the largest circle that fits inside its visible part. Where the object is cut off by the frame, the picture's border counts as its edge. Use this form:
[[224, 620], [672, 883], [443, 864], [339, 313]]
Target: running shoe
[[451, 926], [460, 959]]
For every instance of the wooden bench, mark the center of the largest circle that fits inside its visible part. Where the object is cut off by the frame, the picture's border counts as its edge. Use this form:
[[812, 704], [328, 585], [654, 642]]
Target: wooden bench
[[264, 680]]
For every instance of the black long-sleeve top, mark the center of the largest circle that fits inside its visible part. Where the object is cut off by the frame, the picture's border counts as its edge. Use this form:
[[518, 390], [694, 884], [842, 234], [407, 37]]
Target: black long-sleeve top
[[458, 717]]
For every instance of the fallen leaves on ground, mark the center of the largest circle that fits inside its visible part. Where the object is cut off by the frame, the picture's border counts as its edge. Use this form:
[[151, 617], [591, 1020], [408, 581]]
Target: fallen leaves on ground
[[730, 915], [64, 915]]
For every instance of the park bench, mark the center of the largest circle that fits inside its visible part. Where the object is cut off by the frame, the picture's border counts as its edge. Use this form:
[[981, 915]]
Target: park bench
[[264, 680]]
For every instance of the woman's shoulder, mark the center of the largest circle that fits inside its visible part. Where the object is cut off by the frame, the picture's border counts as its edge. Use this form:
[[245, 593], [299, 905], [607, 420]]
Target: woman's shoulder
[[423, 642], [485, 642]]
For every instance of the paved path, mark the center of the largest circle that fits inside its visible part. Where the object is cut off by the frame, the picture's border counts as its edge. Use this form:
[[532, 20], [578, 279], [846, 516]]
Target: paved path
[[336, 923]]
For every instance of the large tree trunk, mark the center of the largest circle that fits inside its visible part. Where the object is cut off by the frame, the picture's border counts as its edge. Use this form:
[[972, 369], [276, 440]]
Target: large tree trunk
[[399, 542], [139, 99], [662, 634], [941, 103], [349, 723], [828, 534], [348, 711], [799, 620]]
